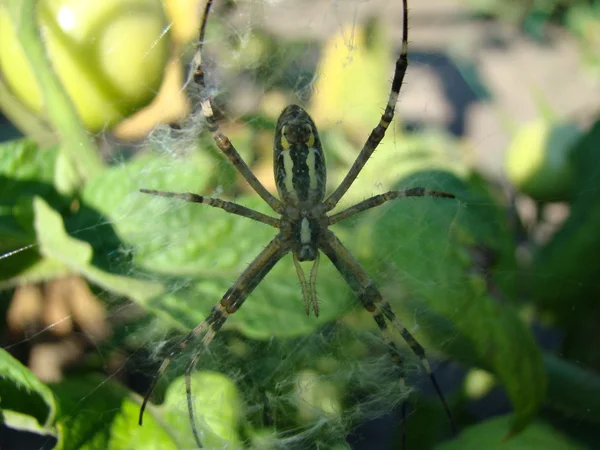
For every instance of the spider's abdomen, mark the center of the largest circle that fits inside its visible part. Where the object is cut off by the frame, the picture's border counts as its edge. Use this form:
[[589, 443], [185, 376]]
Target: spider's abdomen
[[299, 162]]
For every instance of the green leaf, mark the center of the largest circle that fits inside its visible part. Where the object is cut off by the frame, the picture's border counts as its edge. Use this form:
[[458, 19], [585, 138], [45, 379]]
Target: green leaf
[[491, 435], [96, 413], [25, 171], [23, 160], [115, 195], [539, 160], [126, 433], [436, 251], [21, 392], [573, 390], [217, 406], [77, 144], [25, 423], [53, 240], [564, 275], [55, 244]]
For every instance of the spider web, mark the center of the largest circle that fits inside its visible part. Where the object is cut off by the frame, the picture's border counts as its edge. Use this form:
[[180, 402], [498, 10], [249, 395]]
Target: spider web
[[323, 415]]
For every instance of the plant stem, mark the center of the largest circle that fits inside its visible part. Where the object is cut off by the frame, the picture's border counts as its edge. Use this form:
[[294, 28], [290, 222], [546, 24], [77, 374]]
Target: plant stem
[[76, 144]]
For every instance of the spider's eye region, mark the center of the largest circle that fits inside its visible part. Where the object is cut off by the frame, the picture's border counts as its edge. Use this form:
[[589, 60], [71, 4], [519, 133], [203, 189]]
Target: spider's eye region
[[301, 133]]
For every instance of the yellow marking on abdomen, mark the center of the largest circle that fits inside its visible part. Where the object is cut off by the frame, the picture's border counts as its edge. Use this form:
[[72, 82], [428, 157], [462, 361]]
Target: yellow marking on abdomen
[[311, 163], [288, 170]]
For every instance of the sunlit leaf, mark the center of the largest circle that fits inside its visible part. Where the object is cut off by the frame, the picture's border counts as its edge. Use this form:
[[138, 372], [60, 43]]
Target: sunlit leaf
[[22, 392], [57, 245], [96, 413], [25, 171], [217, 405]]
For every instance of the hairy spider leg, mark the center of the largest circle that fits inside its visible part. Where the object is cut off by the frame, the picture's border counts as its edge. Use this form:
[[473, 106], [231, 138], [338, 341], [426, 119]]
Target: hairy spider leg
[[230, 207], [386, 118], [221, 140], [372, 300], [229, 304], [380, 199]]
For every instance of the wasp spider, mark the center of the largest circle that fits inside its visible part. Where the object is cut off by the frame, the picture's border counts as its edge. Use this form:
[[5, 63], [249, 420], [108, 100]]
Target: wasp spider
[[300, 176]]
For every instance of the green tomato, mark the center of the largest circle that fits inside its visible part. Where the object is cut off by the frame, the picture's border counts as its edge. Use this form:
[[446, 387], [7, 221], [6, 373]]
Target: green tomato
[[109, 55], [539, 161]]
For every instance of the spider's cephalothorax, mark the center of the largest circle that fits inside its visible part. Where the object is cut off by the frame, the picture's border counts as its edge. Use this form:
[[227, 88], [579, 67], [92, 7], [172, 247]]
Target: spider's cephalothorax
[[300, 176]]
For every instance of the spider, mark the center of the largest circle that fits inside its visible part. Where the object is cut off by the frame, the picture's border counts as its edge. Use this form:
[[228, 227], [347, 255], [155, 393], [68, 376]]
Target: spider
[[300, 177]]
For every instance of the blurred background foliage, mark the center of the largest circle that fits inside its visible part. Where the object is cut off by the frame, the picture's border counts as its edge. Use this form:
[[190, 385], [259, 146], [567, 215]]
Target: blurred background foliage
[[579, 17], [98, 281]]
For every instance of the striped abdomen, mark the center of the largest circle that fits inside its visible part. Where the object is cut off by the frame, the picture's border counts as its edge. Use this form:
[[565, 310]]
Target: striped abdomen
[[299, 162]]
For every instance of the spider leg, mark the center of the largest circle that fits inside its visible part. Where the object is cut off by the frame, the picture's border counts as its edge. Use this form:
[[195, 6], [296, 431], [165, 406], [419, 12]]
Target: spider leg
[[188, 393], [379, 131], [198, 74], [198, 329], [230, 207], [232, 154], [378, 200], [229, 304], [220, 139], [372, 300], [418, 350]]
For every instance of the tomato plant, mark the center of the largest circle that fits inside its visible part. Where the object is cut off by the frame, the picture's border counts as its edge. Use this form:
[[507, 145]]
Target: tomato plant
[[109, 56]]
